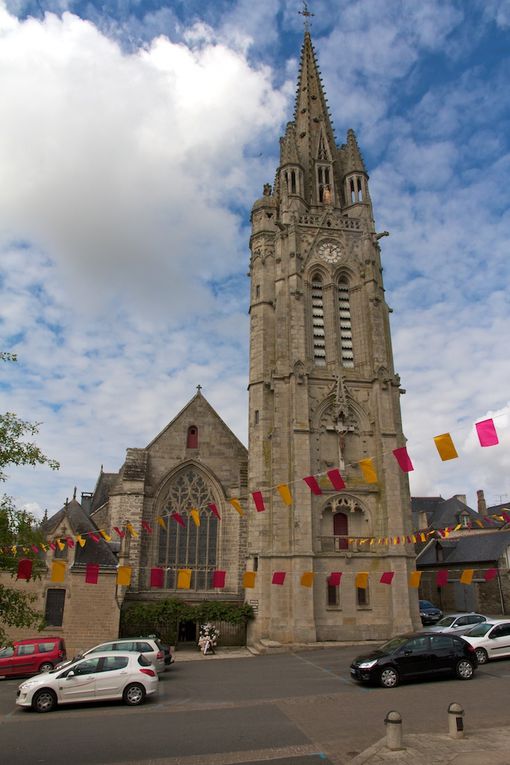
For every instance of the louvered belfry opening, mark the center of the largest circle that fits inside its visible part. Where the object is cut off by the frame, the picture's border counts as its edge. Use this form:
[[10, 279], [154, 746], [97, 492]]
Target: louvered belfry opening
[[319, 340], [344, 309]]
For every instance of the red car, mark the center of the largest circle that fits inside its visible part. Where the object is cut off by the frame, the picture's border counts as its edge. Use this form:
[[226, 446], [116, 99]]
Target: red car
[[30, 656]]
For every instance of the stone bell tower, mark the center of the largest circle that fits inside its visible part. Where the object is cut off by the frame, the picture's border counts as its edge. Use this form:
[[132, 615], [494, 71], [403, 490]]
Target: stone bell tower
[[323, 394]]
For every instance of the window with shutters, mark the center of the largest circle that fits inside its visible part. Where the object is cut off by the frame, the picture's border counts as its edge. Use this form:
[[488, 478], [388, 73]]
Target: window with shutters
[[319, 338], [54, 611], [344, 312]]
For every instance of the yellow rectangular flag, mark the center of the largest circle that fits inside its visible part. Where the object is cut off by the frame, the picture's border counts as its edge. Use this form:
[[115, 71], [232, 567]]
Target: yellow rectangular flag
[[467, 576], [124, 576], [362, 580], [58, 570], [184, 579], [105, 535], [307, 579], [161, 522], [285, 494], [236, 505], [60, 544], [368, 470], [131, 529], [81, 541], [249, 579], [445, 447], [415, 579]]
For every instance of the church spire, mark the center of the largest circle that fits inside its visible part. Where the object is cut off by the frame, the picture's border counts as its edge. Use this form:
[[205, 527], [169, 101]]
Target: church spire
[[354, 161]]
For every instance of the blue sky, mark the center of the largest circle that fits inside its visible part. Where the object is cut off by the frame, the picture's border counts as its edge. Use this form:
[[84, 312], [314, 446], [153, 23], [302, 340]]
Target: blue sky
[[135, 138]]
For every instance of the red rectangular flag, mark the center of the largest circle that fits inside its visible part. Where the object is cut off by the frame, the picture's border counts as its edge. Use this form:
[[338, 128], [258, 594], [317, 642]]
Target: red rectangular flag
[[311, 482], [95, 537], [487, 433], [214, 511], [442, 578], [491, 573], [179, 519], [334, 578], [336, 479], [278, 577], [387, 577], [259, 501], [218, 579], [91, 573], [403, 459], [157, 577], [24, 569], [121, 534], [147, 527]]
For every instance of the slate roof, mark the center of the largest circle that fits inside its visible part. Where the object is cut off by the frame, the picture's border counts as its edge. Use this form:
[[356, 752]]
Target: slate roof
[[427, 505], [102, 490], [483, 547], [442, 513], [80, 523]]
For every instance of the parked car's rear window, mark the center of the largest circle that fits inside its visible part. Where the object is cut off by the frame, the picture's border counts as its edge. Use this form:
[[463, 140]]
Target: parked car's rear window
[[6, 652], [480, 630], [26, 650], [144, 647], [46, 647], [143, 662], [114, 662], [446, 621], [126, 645]]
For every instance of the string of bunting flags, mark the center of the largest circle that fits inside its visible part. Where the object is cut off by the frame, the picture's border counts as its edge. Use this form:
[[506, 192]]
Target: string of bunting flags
[[218, 577]]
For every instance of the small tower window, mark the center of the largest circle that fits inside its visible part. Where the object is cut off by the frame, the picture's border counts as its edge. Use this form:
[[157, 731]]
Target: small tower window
[[341, 530], [319, 339], [256, 418], [356, 189], [344, 312], [257, 291], [192, 440]]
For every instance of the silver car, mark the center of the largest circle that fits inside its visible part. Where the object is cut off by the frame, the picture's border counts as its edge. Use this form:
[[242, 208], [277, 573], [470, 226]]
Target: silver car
[[457, 624], [147, 646], [126, 676]]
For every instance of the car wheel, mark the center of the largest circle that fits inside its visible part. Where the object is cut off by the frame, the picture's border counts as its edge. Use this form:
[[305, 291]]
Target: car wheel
[[464, 670], [482, 656], [134, 694], [46, 666], [389, 677], [44, 701]]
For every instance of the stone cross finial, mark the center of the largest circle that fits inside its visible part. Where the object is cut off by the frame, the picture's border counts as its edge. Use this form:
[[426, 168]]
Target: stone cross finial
[[199, 388], [306, 15]]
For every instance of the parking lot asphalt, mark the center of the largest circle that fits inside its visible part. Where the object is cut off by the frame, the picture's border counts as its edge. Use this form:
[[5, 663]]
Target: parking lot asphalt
[[296, 708]]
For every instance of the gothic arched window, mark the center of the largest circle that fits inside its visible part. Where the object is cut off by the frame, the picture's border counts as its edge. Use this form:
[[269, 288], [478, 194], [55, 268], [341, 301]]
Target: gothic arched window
[[344, 310], [192, 440], [319, 339], [193, 546]]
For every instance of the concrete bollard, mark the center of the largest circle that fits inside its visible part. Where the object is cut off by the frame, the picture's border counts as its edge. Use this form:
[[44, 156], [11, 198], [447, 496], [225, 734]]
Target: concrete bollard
[[393, 722], [455, 720]]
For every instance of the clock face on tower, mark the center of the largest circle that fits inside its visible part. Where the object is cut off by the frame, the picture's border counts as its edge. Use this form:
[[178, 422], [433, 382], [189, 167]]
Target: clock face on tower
[[329, 251]]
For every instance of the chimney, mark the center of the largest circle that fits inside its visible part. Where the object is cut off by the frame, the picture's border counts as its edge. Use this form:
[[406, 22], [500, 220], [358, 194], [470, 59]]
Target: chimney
[[481, 503], [461, 498]]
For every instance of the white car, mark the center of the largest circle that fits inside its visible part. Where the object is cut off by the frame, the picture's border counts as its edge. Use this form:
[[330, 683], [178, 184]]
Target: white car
[[126, 676], [490, 639], [456, 624]]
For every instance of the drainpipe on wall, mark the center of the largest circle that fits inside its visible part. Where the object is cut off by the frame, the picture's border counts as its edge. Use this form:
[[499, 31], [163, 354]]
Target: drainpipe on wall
[[501, 596]]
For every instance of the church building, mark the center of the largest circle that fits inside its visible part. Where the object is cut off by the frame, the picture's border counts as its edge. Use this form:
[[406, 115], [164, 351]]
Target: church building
[[323, 396]]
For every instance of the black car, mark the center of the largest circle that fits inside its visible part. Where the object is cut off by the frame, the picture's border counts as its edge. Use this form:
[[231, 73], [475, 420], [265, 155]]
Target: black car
[[417, 654], [429, 613]]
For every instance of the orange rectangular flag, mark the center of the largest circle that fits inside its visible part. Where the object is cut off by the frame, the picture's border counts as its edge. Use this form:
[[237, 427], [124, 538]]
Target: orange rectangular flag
[[124, 576], [58, 570], [161, 522], [415, 579], [196, 516], [249, 579], [105, 536], [467, 576], [285, 494], [131, 530], [307, 579], [368, 470], [445, 447], [184, 579], [236, 505], [362, 580]]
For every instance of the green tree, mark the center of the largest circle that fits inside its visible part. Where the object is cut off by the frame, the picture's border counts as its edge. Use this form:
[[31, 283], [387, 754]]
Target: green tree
[[19, 531]]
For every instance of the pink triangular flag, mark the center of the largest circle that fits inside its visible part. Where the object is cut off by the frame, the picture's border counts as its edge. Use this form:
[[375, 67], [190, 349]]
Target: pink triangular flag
[[259, 501], [487, 433], [214, 511], [403, 459], [147, 527], [336, 479], [179, 519], [311, 481], [218, 579]]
